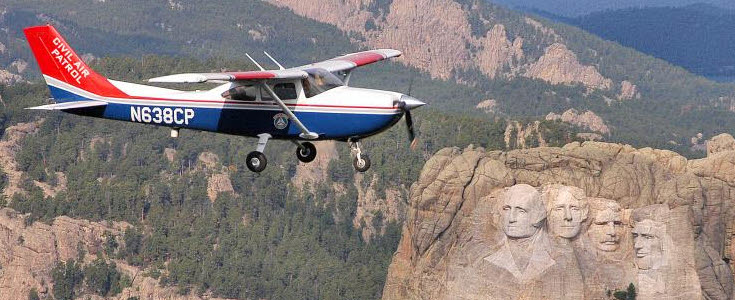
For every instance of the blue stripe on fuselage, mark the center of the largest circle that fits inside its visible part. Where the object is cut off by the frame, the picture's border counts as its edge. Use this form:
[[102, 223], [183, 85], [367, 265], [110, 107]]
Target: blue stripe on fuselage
[[246, 121]]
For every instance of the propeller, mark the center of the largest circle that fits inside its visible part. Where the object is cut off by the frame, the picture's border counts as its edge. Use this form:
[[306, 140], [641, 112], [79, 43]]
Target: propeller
[[407, 103]]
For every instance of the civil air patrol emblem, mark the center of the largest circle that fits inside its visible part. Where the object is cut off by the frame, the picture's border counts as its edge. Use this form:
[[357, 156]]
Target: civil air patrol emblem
[[280, 121]]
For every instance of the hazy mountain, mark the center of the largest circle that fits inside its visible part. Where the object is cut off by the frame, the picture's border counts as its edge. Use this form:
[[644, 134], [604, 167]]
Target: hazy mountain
[[530, 66], [700, 38], [574, 8]]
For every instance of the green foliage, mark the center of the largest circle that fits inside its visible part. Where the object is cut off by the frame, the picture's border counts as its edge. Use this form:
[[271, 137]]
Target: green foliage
[[33, 294], [133, 244], [68, 278], [102, 278], [110, 244], [628, 294], [631, 292]]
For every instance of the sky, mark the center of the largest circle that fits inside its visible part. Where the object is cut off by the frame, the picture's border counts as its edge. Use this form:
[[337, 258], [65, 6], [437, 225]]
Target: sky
[[573, 8]]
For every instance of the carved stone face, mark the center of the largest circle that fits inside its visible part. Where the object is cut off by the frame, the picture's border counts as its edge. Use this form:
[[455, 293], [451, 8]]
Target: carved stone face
[[606, 229], [523, 211], [567, 211], [647, 236]]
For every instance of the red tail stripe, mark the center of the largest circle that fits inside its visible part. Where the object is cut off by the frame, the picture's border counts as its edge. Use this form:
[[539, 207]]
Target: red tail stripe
[[58, 60]]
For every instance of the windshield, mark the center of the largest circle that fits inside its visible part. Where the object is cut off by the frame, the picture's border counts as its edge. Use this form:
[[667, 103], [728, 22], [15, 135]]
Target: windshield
[[319, 81]]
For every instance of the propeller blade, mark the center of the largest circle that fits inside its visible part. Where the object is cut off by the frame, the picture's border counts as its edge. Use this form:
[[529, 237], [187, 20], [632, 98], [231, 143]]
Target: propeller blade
[[409, 126]]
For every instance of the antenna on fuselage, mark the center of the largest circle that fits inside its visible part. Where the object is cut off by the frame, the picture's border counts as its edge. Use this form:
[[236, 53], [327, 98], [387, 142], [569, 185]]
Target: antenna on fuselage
[[255, 62], [274, 60]]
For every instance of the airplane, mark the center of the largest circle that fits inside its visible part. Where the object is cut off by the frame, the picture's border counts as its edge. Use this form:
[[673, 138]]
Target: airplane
[[302, 104]]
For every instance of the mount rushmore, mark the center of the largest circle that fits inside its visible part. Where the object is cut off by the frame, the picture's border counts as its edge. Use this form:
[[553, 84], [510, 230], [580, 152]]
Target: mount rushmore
[[580, 222]]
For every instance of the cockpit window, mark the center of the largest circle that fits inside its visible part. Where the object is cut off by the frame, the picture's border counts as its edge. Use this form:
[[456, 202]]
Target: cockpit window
[[241, 93], [285, 91], [319, 81]]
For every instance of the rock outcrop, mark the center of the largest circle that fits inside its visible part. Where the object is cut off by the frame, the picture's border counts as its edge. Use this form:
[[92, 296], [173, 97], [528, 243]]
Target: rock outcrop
[[373, 211], [28, 253], [316, 171], [9, 146], [559, 65], [488, 106], [518, 136], [587, 119], [628, 91], [568, 223]]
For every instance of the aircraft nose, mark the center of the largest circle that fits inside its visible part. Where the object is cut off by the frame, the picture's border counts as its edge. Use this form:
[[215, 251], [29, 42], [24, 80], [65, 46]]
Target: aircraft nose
[[408, 103]]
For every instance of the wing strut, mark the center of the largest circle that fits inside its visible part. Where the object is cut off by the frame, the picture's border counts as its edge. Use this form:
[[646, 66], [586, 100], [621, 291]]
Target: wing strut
[[305, 133]]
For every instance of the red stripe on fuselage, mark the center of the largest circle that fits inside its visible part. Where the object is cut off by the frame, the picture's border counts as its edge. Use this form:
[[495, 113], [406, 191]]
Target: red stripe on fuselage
[[261, 103]]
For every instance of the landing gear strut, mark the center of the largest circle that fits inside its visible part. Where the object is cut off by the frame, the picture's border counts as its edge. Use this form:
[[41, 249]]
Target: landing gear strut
[[361, 161], [306, 152], [256, 160]]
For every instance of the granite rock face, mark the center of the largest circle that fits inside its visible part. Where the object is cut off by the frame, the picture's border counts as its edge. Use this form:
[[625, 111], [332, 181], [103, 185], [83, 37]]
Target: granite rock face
[[577, 222]]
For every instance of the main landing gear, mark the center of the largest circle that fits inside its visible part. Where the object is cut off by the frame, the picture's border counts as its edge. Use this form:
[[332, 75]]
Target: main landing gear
[[256, 160], [305, 152], [361, 161]]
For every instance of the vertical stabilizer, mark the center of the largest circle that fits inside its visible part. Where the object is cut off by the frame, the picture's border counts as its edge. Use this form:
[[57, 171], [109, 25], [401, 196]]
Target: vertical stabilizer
[[67, 75]]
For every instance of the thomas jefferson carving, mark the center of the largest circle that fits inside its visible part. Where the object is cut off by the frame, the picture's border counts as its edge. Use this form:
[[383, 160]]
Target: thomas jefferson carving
[[567, 209]]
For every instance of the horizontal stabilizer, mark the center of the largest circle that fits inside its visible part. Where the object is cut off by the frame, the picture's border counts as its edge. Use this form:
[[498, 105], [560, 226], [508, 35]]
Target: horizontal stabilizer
[[69, 105]]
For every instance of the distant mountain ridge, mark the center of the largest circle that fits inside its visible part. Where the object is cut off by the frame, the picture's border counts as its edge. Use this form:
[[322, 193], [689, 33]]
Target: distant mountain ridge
[[576, 8], [531, 66], [700, 38]]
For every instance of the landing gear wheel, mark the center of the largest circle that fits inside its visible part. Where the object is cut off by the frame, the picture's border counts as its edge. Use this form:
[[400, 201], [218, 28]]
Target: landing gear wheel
[[361, 163], [256, 161], [306, 153]]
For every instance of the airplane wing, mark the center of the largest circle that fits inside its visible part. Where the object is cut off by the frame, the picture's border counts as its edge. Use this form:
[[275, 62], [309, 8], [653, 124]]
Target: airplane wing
[[353, 60], [231, 76], [69, 105], [341, 63]]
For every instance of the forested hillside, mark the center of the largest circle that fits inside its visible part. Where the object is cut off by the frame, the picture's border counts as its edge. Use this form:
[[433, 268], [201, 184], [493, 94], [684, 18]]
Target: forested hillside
[[700, 38]]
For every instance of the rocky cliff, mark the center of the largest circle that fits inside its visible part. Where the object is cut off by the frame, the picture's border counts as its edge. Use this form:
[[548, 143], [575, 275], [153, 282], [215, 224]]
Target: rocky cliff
[[578, 222], [447, 37], [28, 253]]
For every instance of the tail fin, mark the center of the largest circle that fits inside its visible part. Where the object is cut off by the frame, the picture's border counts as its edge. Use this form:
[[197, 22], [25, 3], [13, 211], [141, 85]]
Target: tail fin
[[68, 77]]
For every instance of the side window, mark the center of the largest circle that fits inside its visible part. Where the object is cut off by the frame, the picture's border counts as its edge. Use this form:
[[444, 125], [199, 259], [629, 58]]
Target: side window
[[241, 93], [285, 91]]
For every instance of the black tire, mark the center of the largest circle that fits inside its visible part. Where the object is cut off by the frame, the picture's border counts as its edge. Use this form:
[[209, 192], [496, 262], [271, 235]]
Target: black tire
[[306, 153], [365, 163], [256, 161]]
